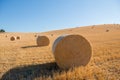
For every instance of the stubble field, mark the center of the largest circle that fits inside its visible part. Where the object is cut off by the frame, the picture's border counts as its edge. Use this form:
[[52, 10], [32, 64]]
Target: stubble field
[[24, 60]]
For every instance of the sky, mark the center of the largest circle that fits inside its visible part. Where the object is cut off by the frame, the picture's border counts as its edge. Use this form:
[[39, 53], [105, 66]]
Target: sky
[[47, 15]]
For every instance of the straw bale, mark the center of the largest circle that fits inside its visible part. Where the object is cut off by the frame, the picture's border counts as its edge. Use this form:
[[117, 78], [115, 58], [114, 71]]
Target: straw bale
[[13, 38], [71, 50], [42, 41]]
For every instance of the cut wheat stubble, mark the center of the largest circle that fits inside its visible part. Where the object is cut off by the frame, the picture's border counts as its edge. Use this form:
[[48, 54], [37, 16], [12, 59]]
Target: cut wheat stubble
[[71, 51], [42, 41]]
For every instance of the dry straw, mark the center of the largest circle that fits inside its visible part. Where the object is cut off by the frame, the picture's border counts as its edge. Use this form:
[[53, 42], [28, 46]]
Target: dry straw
[[71, 50], [42, 41], [13, 38]]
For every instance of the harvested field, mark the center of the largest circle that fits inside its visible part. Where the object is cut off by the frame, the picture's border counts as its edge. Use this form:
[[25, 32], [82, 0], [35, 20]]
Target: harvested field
[[24, 60]]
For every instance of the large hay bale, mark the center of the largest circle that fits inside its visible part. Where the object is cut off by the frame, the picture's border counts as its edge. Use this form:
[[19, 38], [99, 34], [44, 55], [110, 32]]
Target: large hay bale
[[13, 38], [42, 41], [18, 37], [71, 50]]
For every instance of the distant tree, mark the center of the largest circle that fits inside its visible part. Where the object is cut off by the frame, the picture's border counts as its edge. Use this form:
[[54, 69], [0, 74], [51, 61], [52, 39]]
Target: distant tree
[[2, 30]]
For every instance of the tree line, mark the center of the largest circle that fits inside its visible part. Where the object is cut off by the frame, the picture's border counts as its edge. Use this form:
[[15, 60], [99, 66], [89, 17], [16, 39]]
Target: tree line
[[2, 30]]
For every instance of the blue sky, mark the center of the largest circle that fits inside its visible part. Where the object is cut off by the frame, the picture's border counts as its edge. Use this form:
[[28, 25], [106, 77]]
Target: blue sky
[[46, 15]]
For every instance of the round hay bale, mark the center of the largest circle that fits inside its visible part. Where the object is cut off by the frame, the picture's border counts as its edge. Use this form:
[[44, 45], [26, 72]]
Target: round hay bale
[[92, 27], [71, 50], [6, 36], [42, 41], [18, 37], [35, 35], [51, 34], [12, 38], [107, 30]]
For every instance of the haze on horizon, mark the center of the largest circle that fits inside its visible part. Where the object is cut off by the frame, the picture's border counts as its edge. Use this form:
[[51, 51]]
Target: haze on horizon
[[46, 15]]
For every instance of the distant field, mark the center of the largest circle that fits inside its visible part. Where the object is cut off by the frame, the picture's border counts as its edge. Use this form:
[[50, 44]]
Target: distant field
[[23, 60]]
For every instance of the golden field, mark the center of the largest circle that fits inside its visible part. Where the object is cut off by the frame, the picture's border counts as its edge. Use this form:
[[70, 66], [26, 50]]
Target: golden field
[[24, 60]]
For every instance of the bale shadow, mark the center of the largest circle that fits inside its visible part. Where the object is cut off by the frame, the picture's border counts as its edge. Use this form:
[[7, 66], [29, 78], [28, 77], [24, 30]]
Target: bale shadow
[[30, 46], [31, 72]]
